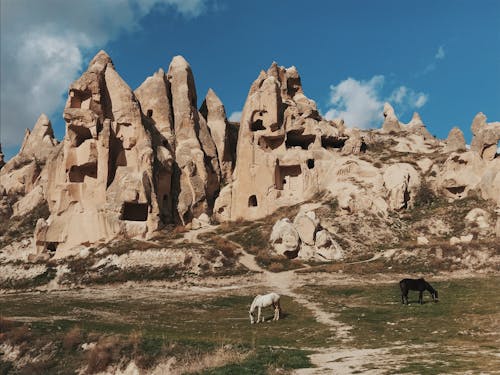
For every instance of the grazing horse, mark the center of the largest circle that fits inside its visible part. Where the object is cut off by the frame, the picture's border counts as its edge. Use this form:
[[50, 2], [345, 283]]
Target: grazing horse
[[264, 301], [416, 284]]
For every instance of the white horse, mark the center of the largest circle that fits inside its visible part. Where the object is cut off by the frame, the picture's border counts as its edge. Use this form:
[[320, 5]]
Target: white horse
[[263, 301]]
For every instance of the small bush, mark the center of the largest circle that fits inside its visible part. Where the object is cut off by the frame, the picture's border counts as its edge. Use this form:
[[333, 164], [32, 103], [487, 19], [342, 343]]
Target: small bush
[[72, 338], [19, 335], [103, 354], [425, 197]]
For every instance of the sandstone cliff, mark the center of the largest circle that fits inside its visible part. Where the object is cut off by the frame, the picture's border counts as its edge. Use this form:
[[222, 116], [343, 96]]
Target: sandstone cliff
[[132, 162]]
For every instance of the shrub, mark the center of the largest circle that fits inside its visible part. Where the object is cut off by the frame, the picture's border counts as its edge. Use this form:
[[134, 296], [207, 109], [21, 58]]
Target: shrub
[[72, 338], [103, 354]]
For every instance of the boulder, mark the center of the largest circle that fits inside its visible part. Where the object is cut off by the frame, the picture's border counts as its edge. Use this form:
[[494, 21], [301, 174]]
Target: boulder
[[478, 218], [285, 238], [326, 247], [462, 240], [422, 240], [202, 221], [306, 224]]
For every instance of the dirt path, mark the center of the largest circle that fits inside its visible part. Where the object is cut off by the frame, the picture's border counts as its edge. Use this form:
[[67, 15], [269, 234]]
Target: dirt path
[[287, 283]]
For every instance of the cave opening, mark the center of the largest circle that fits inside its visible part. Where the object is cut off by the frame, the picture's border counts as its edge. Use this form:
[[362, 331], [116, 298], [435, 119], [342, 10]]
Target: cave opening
[[294, 139], [252, 201], [77, 173], [332, 142], [133, 211], [257, 125]]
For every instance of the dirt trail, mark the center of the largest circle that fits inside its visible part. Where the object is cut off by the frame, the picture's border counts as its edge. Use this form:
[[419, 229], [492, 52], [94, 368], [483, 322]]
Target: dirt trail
[[287, 283]]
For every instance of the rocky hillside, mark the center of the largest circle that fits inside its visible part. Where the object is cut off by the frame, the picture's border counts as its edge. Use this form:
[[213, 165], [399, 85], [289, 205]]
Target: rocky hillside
[[138, 173]]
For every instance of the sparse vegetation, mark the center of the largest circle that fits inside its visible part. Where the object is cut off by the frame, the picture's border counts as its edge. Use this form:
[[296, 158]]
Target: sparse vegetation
[[18, 228]]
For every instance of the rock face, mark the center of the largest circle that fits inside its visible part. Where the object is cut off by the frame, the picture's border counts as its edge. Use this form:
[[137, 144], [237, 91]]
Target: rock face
[[131, 162], [402, 182], [485, 137], [101, 184], [197, 164], [455, 141], [22, 180], [214, 114], [304, 239], [282, 143]]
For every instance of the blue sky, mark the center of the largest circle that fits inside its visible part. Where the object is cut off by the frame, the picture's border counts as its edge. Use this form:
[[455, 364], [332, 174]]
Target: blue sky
[[440, 58]]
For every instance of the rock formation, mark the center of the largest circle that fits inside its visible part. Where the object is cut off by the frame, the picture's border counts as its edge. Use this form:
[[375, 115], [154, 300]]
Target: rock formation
[[101, 184], [281, 142], [391, 122], [214, 113], [131, 162], [197, 164], [402, 182], [455, 141], [22, 183], [416, 126], [486, 137], [304, 238]]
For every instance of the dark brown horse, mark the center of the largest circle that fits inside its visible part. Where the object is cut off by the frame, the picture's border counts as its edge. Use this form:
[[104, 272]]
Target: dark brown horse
[[416, 284]]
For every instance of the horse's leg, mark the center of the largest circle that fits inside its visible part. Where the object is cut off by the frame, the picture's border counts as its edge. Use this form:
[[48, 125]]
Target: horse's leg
[[278, 310], [259, 314], [421, 297]]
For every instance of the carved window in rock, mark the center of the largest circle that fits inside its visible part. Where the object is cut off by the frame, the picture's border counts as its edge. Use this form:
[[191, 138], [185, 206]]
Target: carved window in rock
[[257, 122], [332, 142], [252, 201], [310, 163], [149, 113], [288, 178], [257, 125], [133, 211], [456, 190], [296, 139], [270, 143], [79, 134], [80, 99], [78, 173]]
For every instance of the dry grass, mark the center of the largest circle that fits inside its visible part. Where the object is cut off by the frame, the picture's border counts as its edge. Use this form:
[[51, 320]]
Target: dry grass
[[72, 338], [220, 357], [106, 351]]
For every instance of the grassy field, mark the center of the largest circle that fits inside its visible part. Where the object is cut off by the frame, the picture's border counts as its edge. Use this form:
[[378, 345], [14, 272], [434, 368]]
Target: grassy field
[[460, 333], [187, 328]]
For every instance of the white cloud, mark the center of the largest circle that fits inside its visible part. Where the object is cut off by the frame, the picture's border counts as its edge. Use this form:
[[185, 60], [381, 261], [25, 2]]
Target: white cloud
[[44, 45], [420, 100], [357, 102], [408, 98], [235, 116], [360, 103], [440, 54]]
